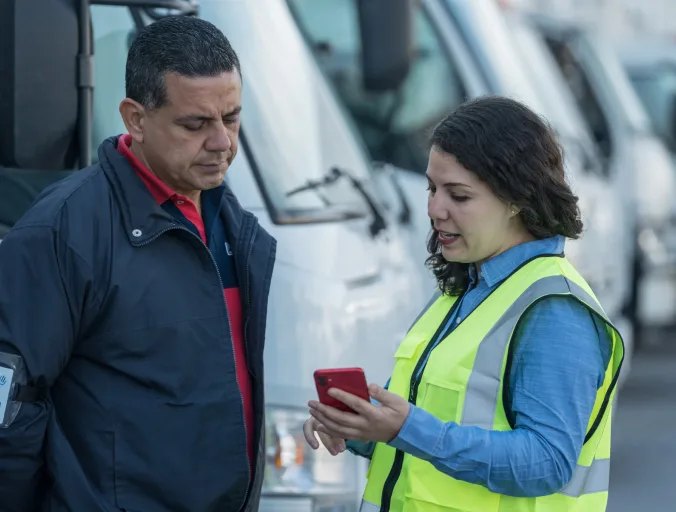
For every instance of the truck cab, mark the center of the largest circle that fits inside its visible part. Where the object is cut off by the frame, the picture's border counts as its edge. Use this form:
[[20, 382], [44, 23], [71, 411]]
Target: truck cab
[[346, 286]]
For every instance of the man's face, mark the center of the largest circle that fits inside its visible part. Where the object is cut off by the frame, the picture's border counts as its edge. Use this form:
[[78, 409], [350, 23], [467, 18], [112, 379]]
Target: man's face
[[192, 139]]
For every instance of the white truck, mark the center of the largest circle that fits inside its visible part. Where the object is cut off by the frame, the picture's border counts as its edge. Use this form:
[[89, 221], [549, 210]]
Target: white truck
[[464, 49], [346, 285]]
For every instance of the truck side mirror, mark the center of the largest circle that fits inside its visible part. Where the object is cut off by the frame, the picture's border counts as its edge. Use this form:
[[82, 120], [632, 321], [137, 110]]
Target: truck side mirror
[[386, 29], [38, 84]]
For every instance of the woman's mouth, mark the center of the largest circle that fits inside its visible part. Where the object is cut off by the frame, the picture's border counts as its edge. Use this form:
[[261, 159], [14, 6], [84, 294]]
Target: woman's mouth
[[446, 238]]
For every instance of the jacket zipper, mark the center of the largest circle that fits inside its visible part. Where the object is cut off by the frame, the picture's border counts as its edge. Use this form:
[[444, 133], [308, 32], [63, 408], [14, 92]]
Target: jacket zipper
[[398, 464], [227, 316]]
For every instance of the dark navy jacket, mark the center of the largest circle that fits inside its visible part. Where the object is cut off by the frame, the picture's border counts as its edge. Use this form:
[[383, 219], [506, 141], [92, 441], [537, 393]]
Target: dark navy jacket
[[119, 308]]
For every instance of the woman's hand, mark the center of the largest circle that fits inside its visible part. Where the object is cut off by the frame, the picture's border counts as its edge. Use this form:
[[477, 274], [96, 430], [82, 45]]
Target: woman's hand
[[380, 423], [334, 445]]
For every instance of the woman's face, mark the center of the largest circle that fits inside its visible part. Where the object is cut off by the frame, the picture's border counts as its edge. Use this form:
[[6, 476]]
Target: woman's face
[[474, 225]]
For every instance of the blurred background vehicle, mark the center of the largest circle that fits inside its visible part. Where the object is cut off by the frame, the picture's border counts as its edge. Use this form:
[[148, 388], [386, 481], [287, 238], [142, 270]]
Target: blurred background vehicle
[[650, 63], [630, 148]]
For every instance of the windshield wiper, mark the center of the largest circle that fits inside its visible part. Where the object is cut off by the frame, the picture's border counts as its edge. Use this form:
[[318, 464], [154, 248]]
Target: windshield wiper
[[377, 225]]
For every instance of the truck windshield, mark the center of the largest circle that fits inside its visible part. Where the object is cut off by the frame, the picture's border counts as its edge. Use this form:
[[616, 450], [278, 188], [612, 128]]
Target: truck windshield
[[617, 83], [296, 131], [656, 87], [561, 109], [395, 125]]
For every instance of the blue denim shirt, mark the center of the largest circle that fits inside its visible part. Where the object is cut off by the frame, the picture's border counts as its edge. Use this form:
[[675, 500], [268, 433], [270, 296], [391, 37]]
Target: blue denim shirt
[[561, 352]]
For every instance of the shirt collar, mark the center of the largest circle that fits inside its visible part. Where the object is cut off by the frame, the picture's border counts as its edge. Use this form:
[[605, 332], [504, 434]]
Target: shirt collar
[[504, 264], [157, 188]]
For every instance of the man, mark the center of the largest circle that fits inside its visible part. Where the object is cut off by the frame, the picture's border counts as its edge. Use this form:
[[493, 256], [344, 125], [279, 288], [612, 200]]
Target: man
[[142, 387]]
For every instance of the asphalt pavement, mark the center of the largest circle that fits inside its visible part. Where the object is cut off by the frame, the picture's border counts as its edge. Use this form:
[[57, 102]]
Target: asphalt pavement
[[643, 462]]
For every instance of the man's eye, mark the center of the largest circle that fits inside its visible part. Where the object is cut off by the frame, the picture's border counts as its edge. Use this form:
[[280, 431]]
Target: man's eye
[[231, 120], [193, 127]]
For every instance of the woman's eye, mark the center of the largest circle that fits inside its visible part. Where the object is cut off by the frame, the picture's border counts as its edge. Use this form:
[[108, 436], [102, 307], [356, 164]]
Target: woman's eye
[[460, 199]]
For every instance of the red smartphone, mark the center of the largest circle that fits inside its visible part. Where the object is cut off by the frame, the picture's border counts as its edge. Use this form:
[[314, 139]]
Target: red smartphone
[[351, 380]]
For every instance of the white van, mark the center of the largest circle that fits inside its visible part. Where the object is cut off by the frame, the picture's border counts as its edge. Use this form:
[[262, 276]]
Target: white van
[[345, 287], [632, 152], [465, 49]]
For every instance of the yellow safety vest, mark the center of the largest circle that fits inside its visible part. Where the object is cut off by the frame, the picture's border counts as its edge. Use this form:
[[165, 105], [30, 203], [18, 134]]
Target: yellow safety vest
[[462, 382]]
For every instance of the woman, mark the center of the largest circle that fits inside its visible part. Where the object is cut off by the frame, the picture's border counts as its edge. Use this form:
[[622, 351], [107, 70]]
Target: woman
[[499, 397]]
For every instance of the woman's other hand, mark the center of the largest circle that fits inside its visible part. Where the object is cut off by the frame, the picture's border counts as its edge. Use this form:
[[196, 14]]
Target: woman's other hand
[[334, 445], [369, 422]]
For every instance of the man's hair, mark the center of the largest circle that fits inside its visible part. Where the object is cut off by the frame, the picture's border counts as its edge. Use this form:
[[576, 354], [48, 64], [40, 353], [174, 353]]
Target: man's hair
[[516, 153], [184, 45]]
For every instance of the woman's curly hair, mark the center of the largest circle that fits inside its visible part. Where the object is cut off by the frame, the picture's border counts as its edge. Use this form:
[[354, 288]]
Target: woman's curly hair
[[516, 153]]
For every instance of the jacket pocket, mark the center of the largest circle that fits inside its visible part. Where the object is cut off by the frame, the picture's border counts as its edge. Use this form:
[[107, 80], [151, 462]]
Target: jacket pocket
[[411, 346]]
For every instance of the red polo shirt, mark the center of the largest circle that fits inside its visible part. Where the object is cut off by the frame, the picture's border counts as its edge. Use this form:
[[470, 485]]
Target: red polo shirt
[[162, 193]]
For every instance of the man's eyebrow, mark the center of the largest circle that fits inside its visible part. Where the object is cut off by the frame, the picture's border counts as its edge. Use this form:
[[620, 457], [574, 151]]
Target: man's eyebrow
[[194, 117], [200, 117], [233, 112]]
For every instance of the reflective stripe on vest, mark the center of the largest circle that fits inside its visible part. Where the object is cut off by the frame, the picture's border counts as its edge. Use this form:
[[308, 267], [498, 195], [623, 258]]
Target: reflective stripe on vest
[[368, 507], [482, 393]]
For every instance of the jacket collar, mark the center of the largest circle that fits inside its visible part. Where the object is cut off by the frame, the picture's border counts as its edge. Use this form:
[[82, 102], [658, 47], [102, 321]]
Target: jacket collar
[[143, 218]]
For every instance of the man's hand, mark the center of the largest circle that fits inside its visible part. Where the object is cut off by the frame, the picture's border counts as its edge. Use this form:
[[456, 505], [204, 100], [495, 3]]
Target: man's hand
[[380, 423]]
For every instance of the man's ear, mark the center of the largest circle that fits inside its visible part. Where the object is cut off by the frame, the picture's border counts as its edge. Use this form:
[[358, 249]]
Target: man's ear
[[134, 116]]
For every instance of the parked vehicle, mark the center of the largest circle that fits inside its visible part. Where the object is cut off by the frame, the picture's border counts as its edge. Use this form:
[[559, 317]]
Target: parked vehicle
[[345, 287], [632, 152], [650, 64], [464, 49]]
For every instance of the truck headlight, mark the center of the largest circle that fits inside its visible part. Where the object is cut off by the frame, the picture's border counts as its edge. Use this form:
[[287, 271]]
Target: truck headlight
[[313, 480]]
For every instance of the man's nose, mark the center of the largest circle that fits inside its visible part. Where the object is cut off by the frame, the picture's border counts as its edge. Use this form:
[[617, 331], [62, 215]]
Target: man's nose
[[219, 139]]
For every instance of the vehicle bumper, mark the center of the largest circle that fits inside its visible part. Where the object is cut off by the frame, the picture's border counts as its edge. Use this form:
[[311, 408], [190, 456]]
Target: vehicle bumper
[[290, 503]]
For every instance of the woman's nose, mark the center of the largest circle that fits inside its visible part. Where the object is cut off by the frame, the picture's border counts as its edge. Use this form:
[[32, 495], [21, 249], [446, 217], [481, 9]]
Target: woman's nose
[[436, 208]]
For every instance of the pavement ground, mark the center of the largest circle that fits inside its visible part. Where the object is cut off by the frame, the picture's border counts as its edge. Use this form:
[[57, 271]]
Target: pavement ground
[[643, 467]]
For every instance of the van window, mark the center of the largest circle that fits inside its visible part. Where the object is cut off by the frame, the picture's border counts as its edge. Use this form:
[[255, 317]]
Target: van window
[[114, 30], [396, 125], [585, 94], [561, 108], [657, 89]]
